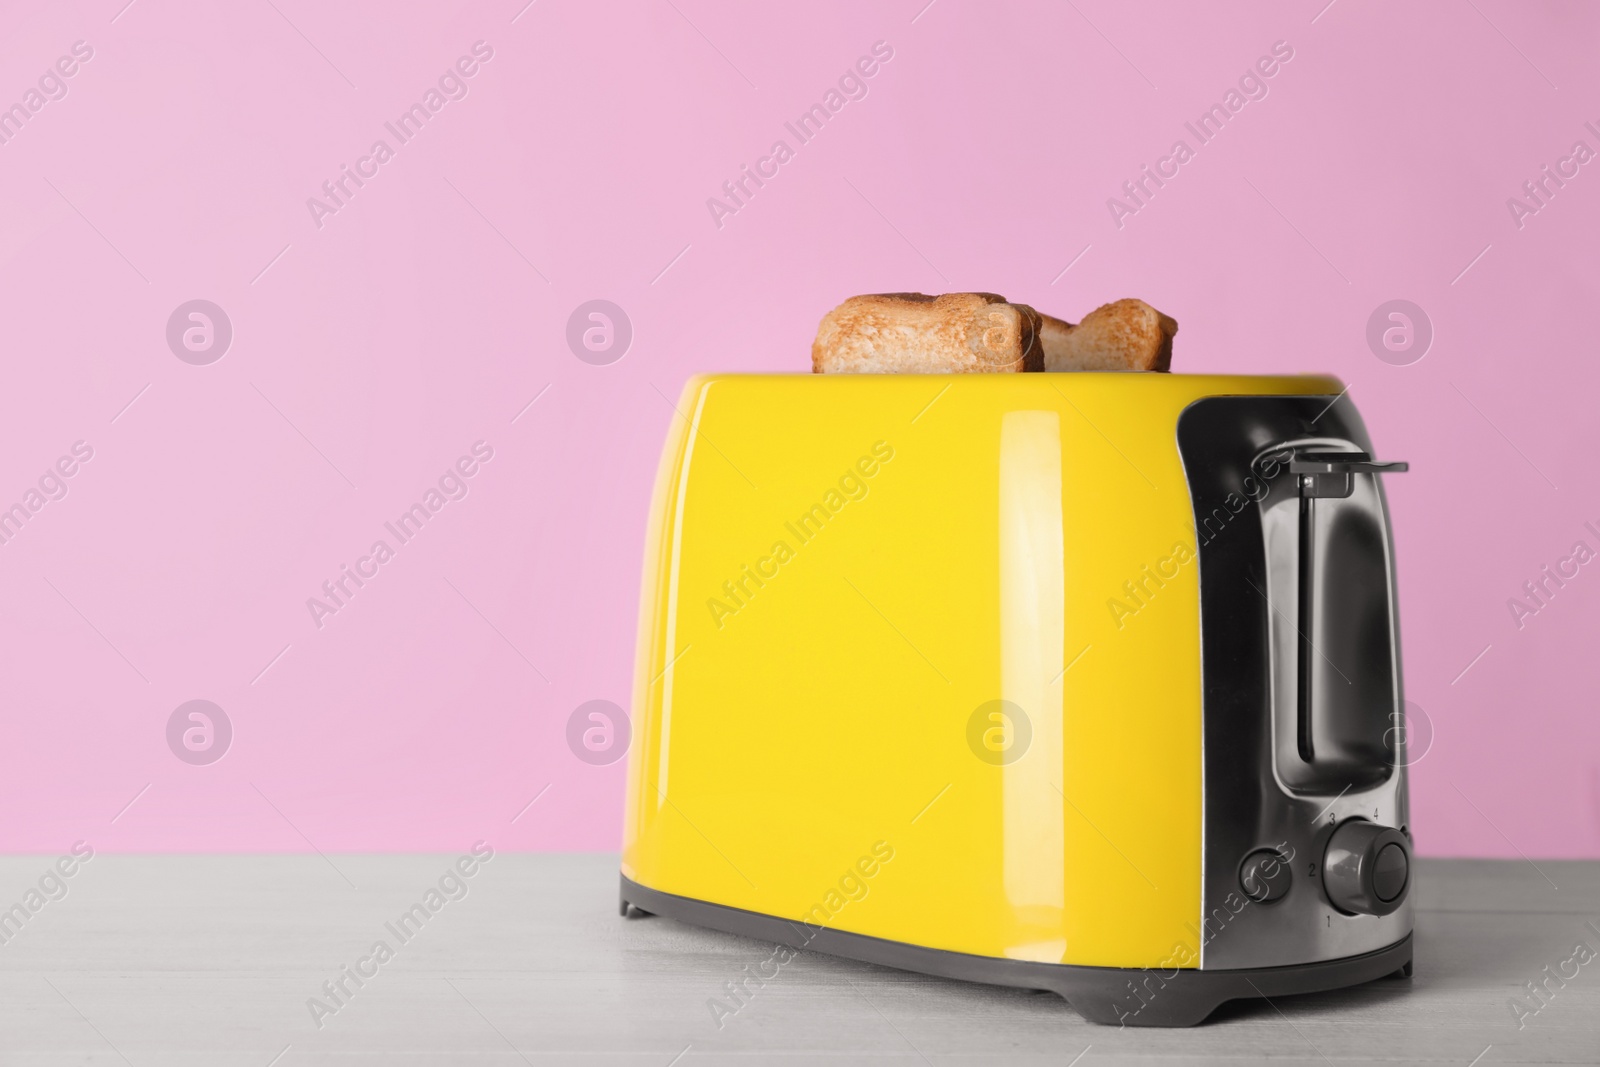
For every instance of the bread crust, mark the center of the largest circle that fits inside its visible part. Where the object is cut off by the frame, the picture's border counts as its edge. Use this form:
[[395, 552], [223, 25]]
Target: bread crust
[[913, 333], [1124, 335]]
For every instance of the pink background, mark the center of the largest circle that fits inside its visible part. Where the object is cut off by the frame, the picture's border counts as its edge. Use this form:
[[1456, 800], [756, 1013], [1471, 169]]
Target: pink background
[[415, 322]]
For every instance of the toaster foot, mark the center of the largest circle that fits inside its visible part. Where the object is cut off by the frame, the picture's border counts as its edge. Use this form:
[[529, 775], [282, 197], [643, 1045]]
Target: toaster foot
[[1109, 996], [627, 910]]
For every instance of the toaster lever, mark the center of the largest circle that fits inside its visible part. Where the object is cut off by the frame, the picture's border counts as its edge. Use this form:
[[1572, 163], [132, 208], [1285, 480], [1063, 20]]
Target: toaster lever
[[1327, 474], [1343, 463]]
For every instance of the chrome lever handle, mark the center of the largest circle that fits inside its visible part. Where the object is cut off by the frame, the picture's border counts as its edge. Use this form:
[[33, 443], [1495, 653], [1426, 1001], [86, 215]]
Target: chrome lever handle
[[1328, 474], [1343, 463]]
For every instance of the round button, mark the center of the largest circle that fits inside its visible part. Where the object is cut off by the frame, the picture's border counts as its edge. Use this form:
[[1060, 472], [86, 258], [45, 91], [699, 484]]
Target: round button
[[1390, 872], [1367, 868], [1265, 876]]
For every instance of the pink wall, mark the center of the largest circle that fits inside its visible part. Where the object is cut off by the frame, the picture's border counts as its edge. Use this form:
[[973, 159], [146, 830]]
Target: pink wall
[[373, 346]]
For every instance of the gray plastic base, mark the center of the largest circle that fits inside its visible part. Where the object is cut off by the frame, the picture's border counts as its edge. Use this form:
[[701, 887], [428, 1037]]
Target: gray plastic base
[[1112, 996]]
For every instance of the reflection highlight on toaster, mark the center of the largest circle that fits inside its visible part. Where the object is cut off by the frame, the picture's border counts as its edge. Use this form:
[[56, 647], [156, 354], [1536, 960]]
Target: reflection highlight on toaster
[[737, 592], [853, 885]]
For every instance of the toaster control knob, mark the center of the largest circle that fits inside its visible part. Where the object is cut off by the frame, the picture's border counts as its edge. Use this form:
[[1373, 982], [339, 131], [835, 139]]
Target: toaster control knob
[[1264, 875], [1367, 868]]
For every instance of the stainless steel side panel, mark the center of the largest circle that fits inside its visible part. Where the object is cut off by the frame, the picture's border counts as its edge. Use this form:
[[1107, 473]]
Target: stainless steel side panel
[[1259, 789]]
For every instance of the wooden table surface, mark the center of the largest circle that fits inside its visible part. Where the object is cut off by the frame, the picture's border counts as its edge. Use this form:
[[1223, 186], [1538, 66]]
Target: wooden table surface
[[214, 960]]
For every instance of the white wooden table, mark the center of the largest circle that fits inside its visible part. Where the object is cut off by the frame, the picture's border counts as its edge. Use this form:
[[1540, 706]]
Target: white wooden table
[[191, 960]]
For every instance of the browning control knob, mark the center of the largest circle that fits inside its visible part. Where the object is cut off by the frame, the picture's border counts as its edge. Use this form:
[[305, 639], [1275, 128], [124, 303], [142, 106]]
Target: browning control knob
[[1367, 868]]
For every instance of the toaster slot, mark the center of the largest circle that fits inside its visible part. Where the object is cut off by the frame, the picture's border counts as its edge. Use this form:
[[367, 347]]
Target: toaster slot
[[1344, 641], [1305, 597]]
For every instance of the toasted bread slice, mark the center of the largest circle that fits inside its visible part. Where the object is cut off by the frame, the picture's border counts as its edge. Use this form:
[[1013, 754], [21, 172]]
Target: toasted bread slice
[[910, 333], [1122, 335]]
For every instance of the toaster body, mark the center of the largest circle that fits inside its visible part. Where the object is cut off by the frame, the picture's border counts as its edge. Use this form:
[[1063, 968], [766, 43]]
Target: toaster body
[[1079, 682]]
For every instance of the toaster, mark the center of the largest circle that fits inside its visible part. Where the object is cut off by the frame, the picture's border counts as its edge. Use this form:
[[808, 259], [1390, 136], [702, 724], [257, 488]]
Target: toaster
[[1086, 683]]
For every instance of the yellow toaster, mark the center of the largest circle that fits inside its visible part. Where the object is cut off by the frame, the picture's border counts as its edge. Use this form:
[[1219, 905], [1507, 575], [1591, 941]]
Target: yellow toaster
[[1087, 683]]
